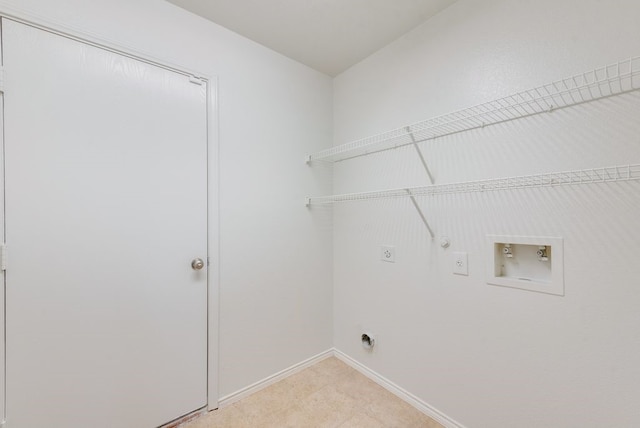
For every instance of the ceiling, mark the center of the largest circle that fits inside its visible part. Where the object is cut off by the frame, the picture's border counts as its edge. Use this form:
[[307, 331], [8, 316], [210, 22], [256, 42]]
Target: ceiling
[[327, 35]]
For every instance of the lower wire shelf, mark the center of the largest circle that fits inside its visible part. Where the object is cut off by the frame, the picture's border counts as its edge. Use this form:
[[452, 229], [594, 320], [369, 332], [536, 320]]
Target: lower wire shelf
[[553, 179], [583, 176]]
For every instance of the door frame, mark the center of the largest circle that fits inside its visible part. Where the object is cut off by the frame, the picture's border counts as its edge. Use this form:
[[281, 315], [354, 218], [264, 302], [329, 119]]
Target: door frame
[[213, 168]]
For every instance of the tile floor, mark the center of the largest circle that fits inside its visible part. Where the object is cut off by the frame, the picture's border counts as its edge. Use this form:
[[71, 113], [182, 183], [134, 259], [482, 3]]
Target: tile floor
[[328, 394]]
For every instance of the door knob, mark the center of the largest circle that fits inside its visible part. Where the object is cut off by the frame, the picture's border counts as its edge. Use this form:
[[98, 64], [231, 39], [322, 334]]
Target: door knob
[[197, 264]]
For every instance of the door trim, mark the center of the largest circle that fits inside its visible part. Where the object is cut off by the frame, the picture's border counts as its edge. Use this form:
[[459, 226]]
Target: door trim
[[213, 243], [213, 218]]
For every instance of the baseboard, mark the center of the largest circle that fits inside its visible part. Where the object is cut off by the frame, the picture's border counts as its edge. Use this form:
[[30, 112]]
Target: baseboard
[[398, 391], [380, 380], [244, 392]]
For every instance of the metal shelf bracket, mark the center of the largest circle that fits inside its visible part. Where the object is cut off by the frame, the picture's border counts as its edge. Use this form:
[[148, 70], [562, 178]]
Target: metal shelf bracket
[[424, 163], [420, 213]]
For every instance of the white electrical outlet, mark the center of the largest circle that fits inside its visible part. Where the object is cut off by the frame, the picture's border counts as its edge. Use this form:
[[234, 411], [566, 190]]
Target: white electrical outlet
[[388, 253], [460, 263]]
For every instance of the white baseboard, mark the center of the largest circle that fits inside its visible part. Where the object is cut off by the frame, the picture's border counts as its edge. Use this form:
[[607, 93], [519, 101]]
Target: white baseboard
[[399, 392], [380, 380], [244, 392]]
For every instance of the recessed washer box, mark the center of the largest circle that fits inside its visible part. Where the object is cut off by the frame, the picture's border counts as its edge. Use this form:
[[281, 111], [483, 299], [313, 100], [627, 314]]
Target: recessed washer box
[[532, 263]]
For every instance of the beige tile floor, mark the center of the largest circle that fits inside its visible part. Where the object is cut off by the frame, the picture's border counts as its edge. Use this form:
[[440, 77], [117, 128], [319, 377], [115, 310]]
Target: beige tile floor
[[328, 394]]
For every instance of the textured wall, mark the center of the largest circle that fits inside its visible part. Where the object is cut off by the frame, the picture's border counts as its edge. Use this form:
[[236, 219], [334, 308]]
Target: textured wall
[[490, 356], [275, 259]]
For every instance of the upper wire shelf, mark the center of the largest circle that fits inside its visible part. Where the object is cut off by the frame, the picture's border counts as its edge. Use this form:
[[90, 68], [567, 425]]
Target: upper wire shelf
[[602, 82], [553, 179]]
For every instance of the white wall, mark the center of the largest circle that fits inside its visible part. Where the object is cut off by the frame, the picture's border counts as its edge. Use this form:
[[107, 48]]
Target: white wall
[[490, 356], [275, 258], [484, 355]]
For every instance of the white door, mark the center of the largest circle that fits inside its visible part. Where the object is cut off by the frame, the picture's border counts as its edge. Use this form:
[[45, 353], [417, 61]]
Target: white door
[[105, 187]]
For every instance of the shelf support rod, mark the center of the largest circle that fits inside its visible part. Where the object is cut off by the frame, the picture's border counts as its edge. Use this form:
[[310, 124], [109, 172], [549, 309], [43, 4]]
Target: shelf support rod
[[415, 144], [424, 220]]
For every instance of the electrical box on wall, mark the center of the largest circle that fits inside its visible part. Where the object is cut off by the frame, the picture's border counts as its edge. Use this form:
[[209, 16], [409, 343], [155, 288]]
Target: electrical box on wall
[[526, 262]]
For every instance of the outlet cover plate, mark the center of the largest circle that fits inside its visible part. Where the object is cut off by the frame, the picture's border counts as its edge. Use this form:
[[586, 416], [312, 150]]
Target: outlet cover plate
[[460, 263], [388, 253]]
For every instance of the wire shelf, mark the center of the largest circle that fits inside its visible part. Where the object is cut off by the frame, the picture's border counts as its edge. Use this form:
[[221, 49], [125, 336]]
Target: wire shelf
[[602, 82], [583, 176]]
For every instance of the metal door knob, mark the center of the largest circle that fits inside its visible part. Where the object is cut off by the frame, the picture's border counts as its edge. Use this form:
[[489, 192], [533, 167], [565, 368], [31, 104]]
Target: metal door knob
[[197, 264]]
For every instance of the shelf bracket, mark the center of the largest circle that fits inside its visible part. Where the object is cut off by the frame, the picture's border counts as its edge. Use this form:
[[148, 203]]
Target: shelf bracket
[[415, 144], [424, 220]]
